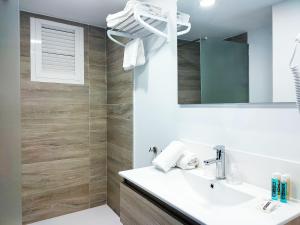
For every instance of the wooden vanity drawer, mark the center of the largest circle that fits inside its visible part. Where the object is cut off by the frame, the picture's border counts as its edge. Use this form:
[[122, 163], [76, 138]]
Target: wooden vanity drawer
[[295, 222], [136, 209]]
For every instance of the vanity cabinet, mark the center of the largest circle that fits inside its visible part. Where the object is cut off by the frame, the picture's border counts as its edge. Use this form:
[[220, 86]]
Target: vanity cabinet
[[137, 209], [295, 222]]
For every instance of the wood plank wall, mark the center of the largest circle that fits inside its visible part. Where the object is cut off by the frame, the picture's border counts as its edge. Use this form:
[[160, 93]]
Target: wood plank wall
[[189, 82], [64, 131], [120, 122]]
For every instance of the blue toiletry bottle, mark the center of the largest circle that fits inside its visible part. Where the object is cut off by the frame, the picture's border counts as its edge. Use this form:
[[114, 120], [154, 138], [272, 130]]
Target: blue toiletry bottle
[[285, 188], [275, 186]]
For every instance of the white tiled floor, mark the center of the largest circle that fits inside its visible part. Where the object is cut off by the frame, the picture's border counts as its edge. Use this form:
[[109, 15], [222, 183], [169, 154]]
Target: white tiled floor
[[102, 215]]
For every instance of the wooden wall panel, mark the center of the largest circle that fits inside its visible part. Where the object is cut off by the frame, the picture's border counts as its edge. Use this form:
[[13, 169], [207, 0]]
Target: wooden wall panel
[[98, 116], [64, 134], [120, 122], [189, 83]]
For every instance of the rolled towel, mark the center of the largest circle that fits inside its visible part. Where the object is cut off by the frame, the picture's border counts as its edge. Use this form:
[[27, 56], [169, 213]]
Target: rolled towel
[[170, 155], [188, 161]]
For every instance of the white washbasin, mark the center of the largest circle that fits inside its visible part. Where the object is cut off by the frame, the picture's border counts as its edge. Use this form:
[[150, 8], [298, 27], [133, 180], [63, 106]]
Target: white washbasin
[[215, 193], [190, 192]]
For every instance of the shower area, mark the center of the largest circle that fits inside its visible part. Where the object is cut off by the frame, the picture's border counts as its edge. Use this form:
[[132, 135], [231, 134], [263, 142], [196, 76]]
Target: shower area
[[213, 70], [75, 137]]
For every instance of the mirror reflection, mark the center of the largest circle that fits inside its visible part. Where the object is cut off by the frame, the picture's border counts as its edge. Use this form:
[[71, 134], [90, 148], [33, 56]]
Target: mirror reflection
[[232, 53]]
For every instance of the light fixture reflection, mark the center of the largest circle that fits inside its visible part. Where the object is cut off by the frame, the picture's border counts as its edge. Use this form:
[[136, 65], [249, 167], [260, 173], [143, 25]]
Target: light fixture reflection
[[207, 3]]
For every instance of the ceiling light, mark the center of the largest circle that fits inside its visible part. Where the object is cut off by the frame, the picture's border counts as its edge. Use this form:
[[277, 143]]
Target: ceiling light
[[207, 3]]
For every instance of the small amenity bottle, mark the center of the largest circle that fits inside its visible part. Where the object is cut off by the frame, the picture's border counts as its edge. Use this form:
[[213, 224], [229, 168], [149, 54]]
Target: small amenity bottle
[[275, 186], [285, 188]]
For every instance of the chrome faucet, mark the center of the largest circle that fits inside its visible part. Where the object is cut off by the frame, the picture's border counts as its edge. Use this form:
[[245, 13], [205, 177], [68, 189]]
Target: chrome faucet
[[219, 161]]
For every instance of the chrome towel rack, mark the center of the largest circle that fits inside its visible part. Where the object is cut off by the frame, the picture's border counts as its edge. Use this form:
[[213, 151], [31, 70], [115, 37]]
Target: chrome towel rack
[[145, 20]]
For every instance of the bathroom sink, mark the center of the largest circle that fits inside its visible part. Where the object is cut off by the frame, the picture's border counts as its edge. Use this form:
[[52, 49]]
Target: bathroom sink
[[214, 193], [198, 195]]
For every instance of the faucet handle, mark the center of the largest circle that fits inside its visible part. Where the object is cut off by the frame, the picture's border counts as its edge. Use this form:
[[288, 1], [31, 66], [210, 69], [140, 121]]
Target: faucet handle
[[219, 148]]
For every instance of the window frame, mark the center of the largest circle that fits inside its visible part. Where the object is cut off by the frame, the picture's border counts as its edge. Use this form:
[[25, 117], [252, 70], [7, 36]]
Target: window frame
[[37, 72]]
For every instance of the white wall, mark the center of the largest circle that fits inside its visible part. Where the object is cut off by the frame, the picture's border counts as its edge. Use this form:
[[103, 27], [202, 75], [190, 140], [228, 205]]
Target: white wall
[[260, 64], [155, 95], [270, 131], [267, 130], [286, 26]]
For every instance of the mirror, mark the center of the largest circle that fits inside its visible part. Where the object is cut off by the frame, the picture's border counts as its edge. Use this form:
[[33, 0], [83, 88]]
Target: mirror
[[237, 51]]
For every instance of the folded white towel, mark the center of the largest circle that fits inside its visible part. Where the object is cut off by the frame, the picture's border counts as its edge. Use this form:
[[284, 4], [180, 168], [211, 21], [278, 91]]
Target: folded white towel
[[120, 17], [116, 18], [134, 54], [168, 158], [188, 161], [183, 18]]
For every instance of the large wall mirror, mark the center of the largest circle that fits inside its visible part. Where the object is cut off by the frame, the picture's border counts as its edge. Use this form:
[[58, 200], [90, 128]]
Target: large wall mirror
[[237, 51]]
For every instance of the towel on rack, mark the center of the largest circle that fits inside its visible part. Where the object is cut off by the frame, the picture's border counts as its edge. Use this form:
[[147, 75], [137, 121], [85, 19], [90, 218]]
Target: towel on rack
[[113, 20], [134, 54], [183, 18], [168, 158], [116, 18], [188, 161]]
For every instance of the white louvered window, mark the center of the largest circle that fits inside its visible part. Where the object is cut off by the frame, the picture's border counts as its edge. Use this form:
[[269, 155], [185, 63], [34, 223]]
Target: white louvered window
[[57, 52]]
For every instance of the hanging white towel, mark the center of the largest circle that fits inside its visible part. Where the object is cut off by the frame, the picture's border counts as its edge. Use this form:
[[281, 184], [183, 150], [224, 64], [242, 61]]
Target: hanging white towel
[[168, 158], [134, 54], [188, 161]]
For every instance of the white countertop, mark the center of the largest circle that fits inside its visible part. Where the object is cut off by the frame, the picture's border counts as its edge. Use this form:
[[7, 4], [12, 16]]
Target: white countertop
[[172, 189]]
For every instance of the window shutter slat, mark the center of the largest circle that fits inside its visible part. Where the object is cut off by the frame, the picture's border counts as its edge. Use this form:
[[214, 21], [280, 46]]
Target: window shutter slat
[[58, 49]]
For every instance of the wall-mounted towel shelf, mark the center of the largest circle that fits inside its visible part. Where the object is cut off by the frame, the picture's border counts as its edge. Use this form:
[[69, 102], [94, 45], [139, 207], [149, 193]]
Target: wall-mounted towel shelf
[[183, 23], [183, 28], [141, 20]]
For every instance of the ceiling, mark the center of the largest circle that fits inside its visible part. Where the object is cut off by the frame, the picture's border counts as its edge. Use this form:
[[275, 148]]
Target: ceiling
[[92, 12], [227, 17]]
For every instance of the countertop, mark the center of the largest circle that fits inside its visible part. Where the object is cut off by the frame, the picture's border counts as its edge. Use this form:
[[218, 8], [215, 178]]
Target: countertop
[[172, 189]]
